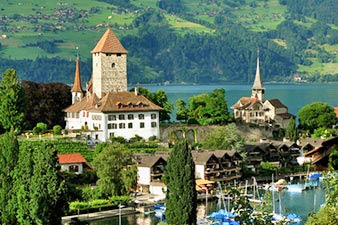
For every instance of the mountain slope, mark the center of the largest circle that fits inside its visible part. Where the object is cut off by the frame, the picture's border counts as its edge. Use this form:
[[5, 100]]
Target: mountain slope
[[189, 41]]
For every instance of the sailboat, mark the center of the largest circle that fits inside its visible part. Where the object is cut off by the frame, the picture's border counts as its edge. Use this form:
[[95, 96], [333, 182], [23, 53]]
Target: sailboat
[[290, 218], [255, 198]]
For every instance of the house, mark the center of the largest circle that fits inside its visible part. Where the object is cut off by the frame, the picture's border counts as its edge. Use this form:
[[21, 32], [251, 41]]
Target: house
[[107, 109], [150, 170], [220, 165], [320, 155], [257, 110], [73, 162]]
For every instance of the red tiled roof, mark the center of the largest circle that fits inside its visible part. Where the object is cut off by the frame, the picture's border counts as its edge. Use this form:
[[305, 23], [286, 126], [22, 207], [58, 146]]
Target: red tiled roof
[[109, 43], [71, 158], [77, 79], [245, 102], [336, 111]]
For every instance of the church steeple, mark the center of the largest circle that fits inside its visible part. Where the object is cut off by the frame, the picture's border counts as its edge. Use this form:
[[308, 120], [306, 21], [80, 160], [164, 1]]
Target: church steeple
[[257, 87], [77, 92]]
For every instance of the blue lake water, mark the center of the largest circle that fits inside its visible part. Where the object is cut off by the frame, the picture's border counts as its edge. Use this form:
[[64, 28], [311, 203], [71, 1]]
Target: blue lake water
[[300, 203], [294, 96]]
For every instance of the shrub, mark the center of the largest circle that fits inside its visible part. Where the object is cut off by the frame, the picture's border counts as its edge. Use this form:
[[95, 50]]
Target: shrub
[[89, 193], [57, 129], [119, 139], [136, 138], [42, 126], [36, 130], [116, 200], [99, 202], [78, 205]]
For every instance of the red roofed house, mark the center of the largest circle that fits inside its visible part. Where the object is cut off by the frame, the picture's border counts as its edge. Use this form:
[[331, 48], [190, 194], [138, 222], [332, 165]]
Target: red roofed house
[[257, 110], [108, 109], [73, 162]]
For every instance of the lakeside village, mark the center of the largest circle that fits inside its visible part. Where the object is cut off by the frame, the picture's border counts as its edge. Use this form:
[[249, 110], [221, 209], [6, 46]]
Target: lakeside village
[[106, 111]]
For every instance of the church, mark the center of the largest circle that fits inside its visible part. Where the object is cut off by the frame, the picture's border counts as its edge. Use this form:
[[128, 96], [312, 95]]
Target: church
[[256, 110], [106, 109]]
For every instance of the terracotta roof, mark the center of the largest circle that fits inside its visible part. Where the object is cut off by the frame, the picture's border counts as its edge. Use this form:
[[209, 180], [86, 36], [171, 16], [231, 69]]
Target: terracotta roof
[[77, 79], [336, 111], [124, 101], [245, 102], [276, 103], [109, 43], [71, 158], [86, 103]]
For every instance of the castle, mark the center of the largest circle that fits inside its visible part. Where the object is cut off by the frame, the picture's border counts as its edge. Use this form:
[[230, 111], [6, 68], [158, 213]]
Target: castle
[[257, 110], [107, 109]]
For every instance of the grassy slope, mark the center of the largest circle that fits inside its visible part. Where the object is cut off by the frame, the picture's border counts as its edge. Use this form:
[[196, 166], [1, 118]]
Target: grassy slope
[[264, 16]]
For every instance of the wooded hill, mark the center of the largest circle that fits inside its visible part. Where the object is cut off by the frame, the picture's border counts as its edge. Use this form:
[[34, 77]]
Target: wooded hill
[[179, 41]]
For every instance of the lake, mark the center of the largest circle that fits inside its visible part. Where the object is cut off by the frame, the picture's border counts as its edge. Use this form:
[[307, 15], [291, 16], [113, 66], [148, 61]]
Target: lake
[[301, 203], [294, 96]]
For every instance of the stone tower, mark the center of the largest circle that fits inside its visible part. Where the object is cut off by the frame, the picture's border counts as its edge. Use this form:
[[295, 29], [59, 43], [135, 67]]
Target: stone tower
[[257, 87], [109, 65], [77, 92]]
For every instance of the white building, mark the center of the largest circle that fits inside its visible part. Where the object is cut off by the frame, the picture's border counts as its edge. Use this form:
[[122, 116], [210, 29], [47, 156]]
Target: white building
[[257, 110], [73, 162], [108, 109]]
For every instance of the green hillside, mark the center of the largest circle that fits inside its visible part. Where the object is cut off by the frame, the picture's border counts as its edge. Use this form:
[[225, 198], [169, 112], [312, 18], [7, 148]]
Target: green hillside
[[174, 40]]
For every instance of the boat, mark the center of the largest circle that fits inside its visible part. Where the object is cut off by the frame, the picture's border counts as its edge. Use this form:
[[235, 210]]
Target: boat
[[255, 197], [295, 187], [160, 212]]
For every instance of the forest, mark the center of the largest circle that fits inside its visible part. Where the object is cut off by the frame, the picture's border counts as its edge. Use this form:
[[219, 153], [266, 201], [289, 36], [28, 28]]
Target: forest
[[303, 41]]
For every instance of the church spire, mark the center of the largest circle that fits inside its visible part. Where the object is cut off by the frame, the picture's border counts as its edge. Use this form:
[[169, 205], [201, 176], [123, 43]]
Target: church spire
[[77, 91], [257, 87]]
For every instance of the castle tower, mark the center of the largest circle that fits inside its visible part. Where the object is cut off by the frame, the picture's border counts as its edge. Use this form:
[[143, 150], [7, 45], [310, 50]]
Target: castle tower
[[109, 65], [77, 92], [257, 87]]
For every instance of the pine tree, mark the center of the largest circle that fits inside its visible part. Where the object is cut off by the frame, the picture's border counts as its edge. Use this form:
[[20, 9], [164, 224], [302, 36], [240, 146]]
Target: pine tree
[[180, 181], [9, 150]]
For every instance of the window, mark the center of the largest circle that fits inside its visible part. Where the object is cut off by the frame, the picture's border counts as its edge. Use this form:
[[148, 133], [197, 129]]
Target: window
[[142, 125], [74, 168], [153, 124], [121, 117], [153, 116], [111, 117], [112, 126], [111, 134], [130, 125], [141, 116], [96, 136], [130, 116], [118, 54], [122, 126], [96, 117], [113, 65]]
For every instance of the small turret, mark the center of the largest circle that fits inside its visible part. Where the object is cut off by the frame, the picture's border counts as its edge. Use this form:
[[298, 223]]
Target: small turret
[[77, 92]]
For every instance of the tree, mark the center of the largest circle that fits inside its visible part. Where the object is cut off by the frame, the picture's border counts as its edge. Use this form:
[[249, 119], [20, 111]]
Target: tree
[[291, 130], [9, 151], [210, 108], [160, 98], [224, 137], [316, 115], [115, 170], [181, 194], [181, 110], [46, 190], [12, 101], [41, 191]]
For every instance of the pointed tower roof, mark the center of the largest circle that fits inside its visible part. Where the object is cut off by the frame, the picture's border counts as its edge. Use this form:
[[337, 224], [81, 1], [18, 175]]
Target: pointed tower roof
[[77, 79], [257, 85], [109, 43]]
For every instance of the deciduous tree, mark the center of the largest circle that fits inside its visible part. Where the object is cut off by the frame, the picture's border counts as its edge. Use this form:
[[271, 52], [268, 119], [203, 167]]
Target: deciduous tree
[[291, 130], [316, 115], [115, 170]]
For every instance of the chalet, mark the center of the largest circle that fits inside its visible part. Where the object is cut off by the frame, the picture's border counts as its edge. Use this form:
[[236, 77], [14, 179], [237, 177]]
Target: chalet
[[257, 110], [320, 155], [107, 109], [73, 162]]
